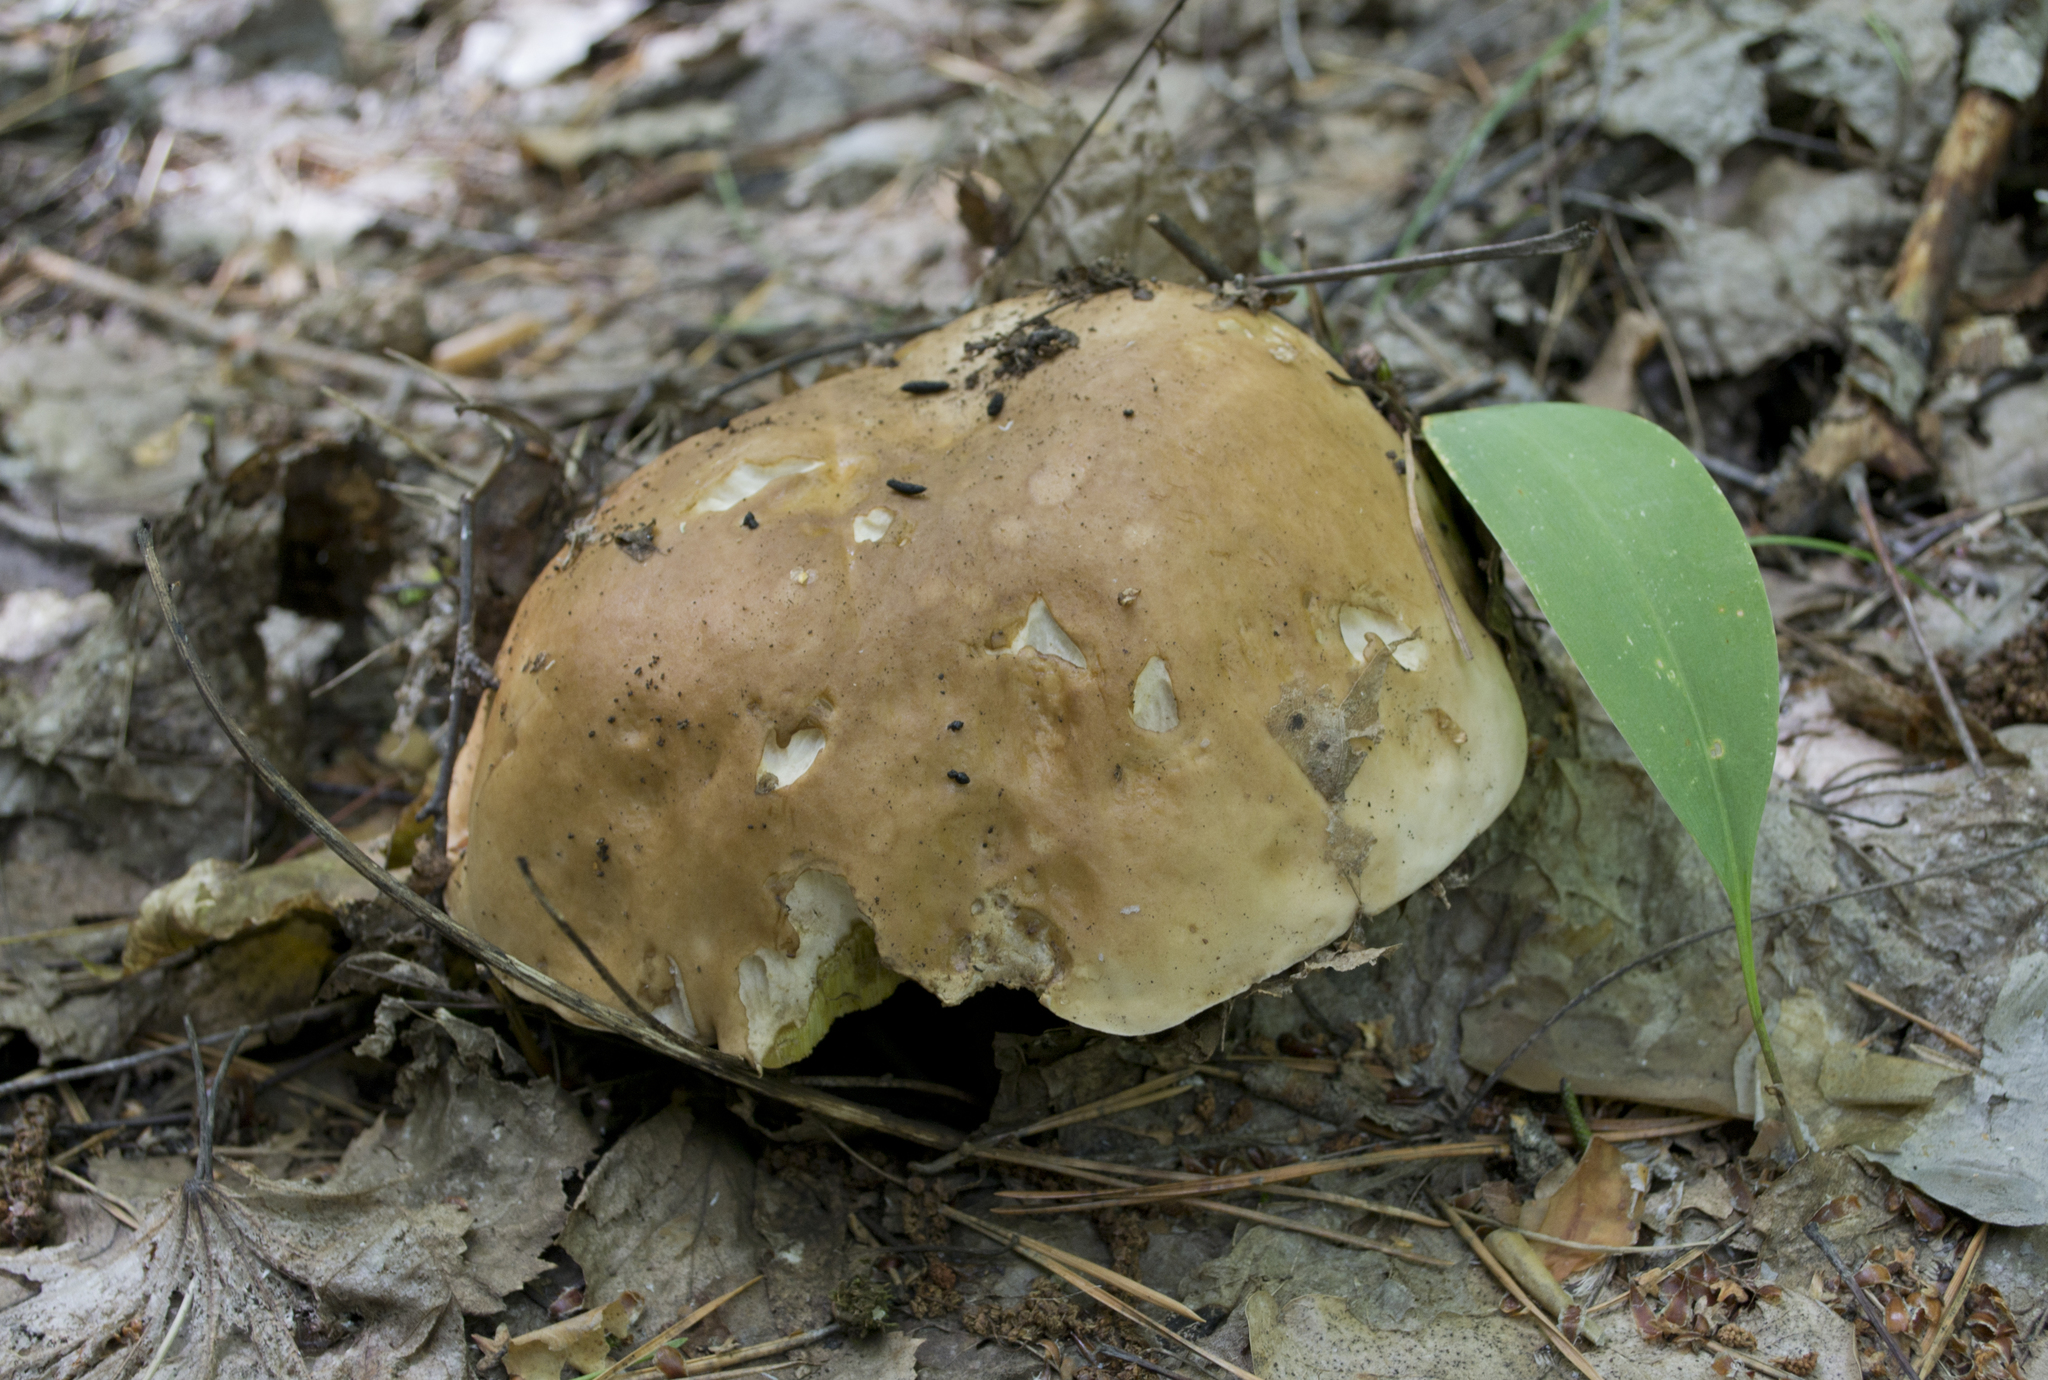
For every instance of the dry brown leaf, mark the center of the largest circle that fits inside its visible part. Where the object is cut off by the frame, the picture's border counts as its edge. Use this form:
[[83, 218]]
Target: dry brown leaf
[[1596, 1204], [578, 1342]]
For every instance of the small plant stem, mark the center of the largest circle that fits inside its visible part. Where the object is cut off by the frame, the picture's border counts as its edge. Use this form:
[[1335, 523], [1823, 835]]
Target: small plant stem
[[1581, 1132], [1558, 242], [1038, 202], [626, 999], [1188, 247], [1872, 1313], [1640, 290], [1317, 317], [1407, 468], [1745, 944], [207, 1097], [436, 807], [1859, 494]]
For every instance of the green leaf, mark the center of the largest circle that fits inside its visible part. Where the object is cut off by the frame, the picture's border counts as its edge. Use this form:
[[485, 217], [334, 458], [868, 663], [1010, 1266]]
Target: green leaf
[[1645, 575]]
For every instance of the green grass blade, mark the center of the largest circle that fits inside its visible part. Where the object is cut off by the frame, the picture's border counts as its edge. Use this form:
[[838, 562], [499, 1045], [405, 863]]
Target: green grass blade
[[1854, 553], [1647, 578]]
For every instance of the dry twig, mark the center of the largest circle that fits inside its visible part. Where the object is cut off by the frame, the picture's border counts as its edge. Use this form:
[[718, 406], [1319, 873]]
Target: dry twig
[[1873, 1311], [1508, 1282], [1436, 578], [1560, 242], [1940, 1032], [1859, 494]]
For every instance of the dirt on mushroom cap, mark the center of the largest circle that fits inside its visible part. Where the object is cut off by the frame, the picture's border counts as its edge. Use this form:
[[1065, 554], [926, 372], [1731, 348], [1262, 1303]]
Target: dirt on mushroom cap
[[730, 762]]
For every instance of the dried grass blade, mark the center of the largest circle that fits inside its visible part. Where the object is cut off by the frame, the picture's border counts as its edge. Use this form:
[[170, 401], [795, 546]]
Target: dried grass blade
[[1143, 1095], [1117, 1305], [1485, 1146], [1951, 1299], [1027, 1245], [725, 1360], [673, 1330], [1341, 1238], [1098, 1172]]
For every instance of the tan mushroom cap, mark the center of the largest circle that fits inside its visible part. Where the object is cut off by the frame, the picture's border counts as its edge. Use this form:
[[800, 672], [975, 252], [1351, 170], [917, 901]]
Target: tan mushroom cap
[[1141, 701]]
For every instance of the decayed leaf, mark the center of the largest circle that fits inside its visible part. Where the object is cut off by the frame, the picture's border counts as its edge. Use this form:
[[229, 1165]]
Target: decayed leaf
[[369, 1274], [215, 900], [1342, 958], [1597, 1205], [668, 1213], [581, 1342]]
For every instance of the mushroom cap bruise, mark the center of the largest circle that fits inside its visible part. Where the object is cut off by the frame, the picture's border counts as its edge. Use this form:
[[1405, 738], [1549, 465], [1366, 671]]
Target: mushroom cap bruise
[[1140, 701]]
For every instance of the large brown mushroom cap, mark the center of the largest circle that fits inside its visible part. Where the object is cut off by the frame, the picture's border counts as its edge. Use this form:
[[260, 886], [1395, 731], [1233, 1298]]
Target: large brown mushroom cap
[[1141, 701]]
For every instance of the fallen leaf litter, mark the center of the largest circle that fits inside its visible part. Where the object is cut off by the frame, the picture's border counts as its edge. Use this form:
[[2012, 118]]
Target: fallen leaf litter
[[520, 196]]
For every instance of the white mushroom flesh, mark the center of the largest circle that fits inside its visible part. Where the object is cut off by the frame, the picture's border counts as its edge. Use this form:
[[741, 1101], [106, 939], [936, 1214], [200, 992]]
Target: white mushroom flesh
[[1153, 707], [1357, 624], [784, 766], [1042, 634], [743, 481]]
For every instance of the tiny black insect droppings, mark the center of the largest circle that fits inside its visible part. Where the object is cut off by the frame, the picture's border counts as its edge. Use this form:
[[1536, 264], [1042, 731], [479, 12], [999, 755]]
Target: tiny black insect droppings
[[1130, 412], [922, 386], [604, 851], [750, 522], [905, 487], [958, 778], [1297, 721], [995, 404], [957, 725]]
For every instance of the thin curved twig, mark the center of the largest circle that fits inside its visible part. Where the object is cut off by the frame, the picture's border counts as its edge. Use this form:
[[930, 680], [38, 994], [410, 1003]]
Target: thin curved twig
[[1038, 202], [807, 354]]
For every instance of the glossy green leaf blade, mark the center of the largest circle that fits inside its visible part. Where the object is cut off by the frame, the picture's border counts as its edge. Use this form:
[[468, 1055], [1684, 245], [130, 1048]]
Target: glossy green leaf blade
[[1646, 576]]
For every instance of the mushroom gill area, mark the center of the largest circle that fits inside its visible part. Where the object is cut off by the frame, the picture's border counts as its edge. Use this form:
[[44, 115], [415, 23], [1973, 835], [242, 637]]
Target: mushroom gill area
[[1129, 697]]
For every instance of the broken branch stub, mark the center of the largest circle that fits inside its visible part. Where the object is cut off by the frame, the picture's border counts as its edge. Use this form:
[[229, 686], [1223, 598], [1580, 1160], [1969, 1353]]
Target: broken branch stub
[[773, 768]]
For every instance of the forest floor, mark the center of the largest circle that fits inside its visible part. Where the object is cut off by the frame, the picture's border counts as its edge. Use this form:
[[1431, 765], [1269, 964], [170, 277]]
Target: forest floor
[[290, 279]]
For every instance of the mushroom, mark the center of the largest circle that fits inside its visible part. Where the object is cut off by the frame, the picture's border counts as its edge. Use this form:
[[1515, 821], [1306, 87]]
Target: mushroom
[[1144, 696]]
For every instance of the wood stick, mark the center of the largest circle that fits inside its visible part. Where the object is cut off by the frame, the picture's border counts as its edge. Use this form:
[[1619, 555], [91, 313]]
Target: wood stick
[[1858, 427], [69, 272], [1974, 1051], [1486, 1146], [1859, 494]]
